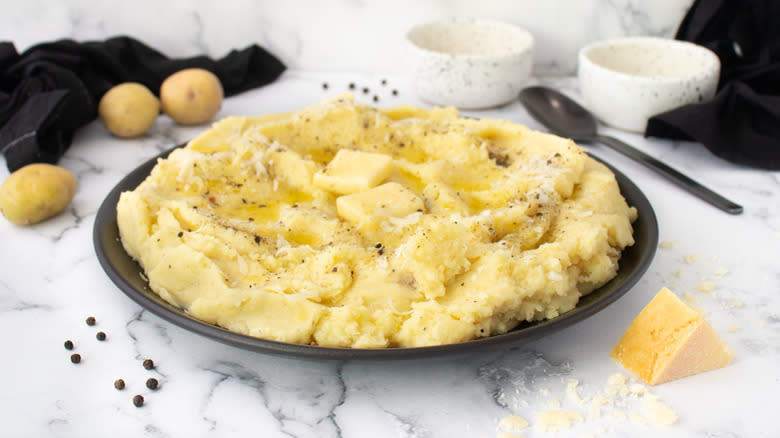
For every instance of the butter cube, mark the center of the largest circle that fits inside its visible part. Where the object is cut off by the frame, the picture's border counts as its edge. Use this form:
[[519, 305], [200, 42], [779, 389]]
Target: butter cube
[[353, 171], [388, 200], [669, 340]]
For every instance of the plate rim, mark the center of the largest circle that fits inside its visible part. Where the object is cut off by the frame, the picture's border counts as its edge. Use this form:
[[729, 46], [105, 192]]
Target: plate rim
[[106, 218]]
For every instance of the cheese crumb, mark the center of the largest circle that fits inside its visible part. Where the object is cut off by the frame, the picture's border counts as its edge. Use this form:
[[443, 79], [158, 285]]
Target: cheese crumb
[[691, 259], [596, 404], [553, 421], [513, 422], [735, 304], [571, 391], [720, 272], [618, 415], [553, 403], [666, 244], [657, 412], [706, 286], [636, 418], [733, 328], [617, 379], [638, 389]]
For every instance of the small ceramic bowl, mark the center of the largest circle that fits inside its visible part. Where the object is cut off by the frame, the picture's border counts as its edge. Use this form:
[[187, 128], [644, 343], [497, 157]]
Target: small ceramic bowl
[[626, 81], [469, 63]]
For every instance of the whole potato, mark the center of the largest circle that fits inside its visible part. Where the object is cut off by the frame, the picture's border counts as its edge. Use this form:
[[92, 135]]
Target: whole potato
[[36, 192], [128, 109], [191, 96]]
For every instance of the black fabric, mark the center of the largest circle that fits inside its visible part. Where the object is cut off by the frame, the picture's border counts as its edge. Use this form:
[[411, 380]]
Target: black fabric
[[52, 89], [742, 123]]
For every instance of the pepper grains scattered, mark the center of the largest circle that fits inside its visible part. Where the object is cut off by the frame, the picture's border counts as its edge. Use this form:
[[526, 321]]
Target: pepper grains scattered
[[152, 383], [119, 384], [365, 90]]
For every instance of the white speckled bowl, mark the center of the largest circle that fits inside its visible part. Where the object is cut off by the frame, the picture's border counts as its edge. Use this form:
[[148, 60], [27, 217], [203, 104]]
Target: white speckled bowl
[[469, 63], [626, 81]]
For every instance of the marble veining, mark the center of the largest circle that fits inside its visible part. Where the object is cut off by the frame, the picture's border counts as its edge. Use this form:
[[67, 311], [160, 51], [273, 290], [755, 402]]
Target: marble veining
[[342, 35]]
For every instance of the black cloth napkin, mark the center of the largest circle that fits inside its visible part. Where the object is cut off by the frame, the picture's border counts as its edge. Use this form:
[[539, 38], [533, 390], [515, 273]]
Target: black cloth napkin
[[52, 89], [742, 123]]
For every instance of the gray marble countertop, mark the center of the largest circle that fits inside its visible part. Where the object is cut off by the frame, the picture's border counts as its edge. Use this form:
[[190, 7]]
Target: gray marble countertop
[[51, 282]]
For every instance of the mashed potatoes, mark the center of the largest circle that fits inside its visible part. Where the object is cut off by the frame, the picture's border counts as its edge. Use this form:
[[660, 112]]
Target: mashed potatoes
[[348, 226]]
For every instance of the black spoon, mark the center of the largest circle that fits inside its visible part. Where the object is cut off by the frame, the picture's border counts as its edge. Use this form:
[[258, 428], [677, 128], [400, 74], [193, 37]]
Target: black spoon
[[565, 117]]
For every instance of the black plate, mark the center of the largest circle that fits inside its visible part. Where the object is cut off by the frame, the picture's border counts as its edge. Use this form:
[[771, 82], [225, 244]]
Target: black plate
[[128, 276]]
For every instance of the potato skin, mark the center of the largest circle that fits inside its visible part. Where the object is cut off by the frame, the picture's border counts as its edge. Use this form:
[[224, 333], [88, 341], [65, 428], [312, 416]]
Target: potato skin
[[36, 192], [128, 109], [191, 96]]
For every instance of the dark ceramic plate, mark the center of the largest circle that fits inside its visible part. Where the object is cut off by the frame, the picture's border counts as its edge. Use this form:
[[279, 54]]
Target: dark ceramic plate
[[128, 276]]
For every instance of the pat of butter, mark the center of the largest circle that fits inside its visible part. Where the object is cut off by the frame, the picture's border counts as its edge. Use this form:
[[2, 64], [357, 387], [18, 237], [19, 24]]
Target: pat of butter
[[353, 171], [388, 200], [668, 340]]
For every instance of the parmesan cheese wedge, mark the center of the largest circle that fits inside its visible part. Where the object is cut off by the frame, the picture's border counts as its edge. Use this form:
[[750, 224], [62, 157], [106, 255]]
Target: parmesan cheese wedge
[[668, 340]]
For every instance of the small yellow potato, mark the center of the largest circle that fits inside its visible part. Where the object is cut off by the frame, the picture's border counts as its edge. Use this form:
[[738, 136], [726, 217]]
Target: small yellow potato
[[128, 109], [36, 192], [191, 96]]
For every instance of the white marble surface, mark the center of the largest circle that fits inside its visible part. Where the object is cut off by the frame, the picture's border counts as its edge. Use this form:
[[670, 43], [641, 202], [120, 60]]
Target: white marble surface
[[340, 35], [51, 281]]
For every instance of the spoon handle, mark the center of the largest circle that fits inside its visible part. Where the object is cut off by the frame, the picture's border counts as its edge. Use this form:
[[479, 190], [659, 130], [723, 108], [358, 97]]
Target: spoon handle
[[675, 176]]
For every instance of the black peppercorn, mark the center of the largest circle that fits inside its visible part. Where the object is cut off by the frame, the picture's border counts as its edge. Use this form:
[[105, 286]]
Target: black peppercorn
[[351, 85], [138, 400], [365, 90], [101, 336], [324, 85], [181, 233], [376, 98], [149, 364], [395, 92], [384, 81], [152, 383], [68, 345], [75, 358], [91, 320], [119, 384]]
